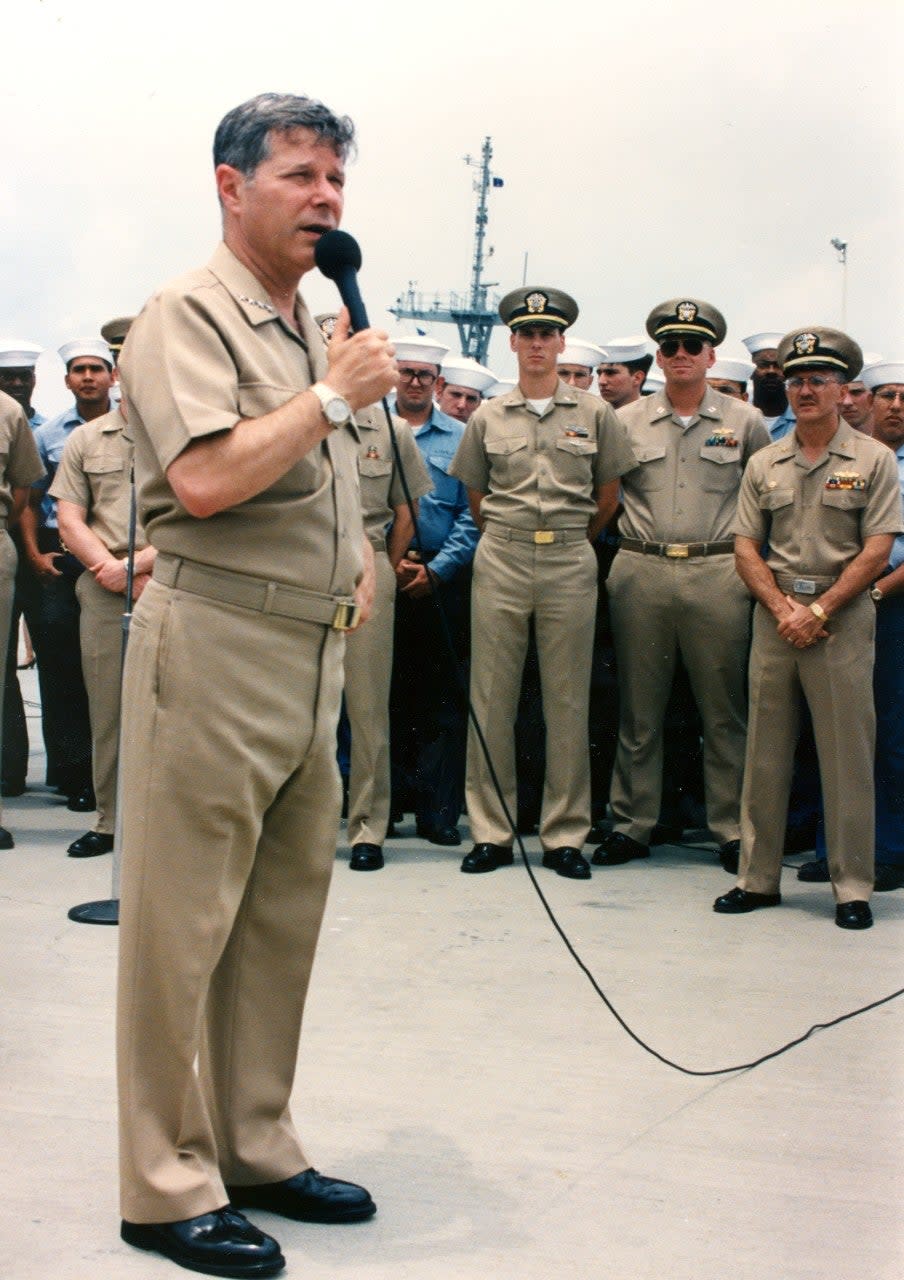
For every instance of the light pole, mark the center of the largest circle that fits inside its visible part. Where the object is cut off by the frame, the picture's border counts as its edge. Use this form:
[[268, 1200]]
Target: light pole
[[841, 247]]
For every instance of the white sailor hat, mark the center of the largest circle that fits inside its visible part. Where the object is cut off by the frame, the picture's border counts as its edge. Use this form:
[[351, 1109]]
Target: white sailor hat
[[762, 342], [95, 347], [16, 354], [625, 350], [733, 369], [654, 381], [462, 371], [420, 349], [880, 374], [577, 351], [501, 387], [869, 357]]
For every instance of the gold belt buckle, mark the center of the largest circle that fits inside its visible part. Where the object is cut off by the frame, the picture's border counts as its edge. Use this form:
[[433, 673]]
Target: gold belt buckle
[[543, 537], [346, 617], [677, 550]]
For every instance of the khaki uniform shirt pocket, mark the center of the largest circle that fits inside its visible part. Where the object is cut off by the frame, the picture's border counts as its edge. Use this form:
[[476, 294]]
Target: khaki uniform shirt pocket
[[723, 470], [650, 473]]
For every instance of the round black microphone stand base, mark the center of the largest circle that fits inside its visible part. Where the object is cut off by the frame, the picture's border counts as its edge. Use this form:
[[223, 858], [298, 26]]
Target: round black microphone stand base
[[104, 912]]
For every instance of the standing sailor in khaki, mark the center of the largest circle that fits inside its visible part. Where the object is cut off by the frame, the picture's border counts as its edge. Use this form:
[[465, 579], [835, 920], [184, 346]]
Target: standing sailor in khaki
[[825, 500], [246, 458], [388, 527], [541, 464], [93, 489], [672, 587]]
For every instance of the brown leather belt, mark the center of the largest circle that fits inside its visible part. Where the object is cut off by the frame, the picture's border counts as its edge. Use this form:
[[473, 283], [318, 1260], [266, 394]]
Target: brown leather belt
[[677, 550], [339, 612]]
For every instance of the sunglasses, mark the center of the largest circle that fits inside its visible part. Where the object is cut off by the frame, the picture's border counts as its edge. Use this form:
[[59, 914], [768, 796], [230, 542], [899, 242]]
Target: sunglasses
[[671, 346]]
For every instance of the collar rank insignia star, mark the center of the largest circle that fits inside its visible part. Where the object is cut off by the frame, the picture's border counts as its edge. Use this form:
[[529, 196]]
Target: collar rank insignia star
[[256, 302], [687, 312], [852, 480], [372, 452], [805, 344], [536, 303], [725, 438], [577, 433]]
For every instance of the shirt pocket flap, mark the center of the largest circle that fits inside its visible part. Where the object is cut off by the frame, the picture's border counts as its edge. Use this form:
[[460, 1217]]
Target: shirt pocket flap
[[775, 499], [375, 466], [99, 464], [721, 453], [501, 445], [574, 444], [844, 499], [648, 452]]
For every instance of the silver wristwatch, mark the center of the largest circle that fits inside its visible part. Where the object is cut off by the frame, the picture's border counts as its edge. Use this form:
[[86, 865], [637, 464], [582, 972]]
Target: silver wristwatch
[[336, 409]]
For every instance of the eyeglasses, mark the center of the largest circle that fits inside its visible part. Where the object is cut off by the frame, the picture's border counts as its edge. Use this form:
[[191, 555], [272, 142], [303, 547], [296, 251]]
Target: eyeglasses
[[890, 396], [422, 376], [815, 380], [671, 346]]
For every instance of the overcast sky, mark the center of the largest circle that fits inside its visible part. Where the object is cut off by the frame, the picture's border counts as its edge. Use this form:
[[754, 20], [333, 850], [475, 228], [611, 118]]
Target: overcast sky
[[647, 150]]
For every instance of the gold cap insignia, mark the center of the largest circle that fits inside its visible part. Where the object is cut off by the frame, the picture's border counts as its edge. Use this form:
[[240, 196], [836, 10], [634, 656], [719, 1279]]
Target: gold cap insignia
[[687, 312], [805, 344], [536, 303]]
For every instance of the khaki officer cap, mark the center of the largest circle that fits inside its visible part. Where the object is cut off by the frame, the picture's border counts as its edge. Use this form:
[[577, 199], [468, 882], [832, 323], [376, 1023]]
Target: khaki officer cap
[[535, 304], [818, 347], [114, 332], [686, 318]]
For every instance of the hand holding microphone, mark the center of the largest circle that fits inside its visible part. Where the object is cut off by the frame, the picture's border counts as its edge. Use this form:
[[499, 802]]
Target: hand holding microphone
[[362, 369]]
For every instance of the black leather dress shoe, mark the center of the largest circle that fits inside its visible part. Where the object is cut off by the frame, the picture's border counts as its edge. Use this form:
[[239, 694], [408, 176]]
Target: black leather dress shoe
[[83, 801], [308, 1197], [224, 1243], [888, 877], [617, 849], [738, 901], [6, 839], [366, 857], [90, 845], [853, 915], [567, 862], [815, 872], [730, 856], [439, 835], [487, 857]]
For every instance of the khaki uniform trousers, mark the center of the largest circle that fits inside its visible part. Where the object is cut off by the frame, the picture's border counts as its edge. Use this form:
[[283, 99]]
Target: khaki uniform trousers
[[9, 560], [231, 803], [100, 633], [556, 584], [835, 676], [368, 673], [658, 606]]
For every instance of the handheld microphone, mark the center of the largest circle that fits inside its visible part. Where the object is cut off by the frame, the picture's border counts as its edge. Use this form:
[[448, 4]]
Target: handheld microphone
[[338, 257]]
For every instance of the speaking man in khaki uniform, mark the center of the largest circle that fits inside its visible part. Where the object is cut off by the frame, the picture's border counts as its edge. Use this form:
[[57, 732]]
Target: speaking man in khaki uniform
[[246, 458], [826, 501], [672, 587], [541, 465], [388, 526]]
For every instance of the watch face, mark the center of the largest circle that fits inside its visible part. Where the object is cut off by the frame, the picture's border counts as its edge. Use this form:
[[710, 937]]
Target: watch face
[[337, 411]]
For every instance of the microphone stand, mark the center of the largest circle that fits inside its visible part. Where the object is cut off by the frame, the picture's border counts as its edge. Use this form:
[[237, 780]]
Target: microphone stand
[[106, 910]]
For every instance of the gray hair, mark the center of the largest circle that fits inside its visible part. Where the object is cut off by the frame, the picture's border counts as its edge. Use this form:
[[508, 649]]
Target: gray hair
[[242, 136]]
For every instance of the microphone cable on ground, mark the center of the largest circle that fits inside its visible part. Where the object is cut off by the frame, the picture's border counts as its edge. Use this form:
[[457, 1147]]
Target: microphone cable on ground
[[569, 946]]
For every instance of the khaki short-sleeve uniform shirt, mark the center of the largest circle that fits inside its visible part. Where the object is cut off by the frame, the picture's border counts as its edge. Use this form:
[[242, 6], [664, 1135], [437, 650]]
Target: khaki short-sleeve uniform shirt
[[20, 463], [206, 352], [381, 484], [94, 474], [816, 515], [685, 485], [542, 471]]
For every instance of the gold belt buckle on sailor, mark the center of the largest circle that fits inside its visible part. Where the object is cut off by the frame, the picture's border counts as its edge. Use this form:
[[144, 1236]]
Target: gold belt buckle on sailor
[[346, 617], [677, 550], [542, 537]]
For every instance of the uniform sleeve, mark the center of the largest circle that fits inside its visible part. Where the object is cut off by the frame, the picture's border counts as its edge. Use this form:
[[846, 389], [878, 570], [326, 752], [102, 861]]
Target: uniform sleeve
[[757, 437], [179, 373], [614, 455], [70, 482], [416, 473], [470, 463], [750, 520], [883, 512], [23, 463]]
